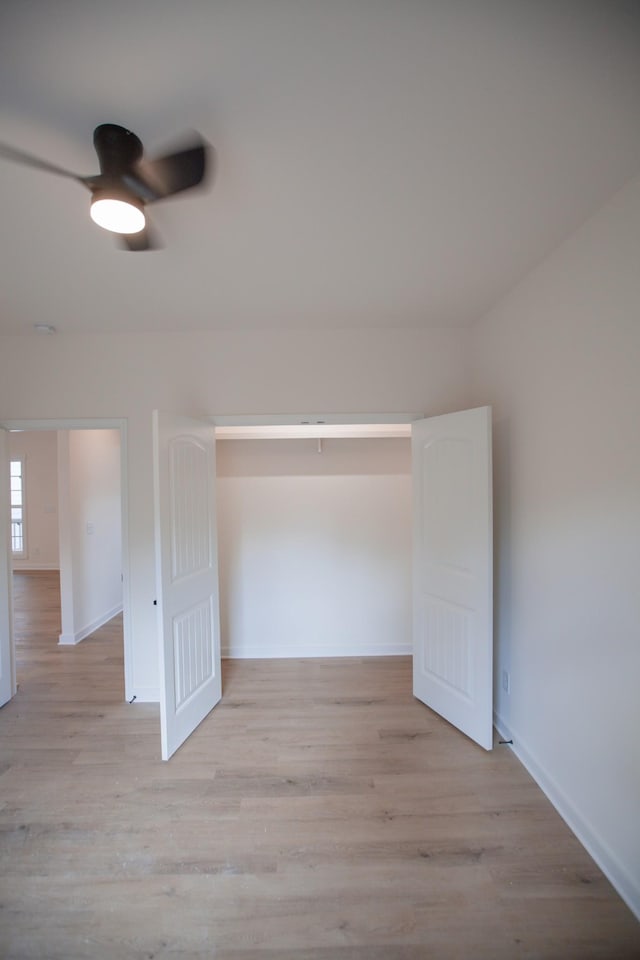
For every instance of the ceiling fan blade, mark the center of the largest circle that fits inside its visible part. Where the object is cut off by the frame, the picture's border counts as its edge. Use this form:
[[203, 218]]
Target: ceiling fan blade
[[28, 160], [118, 149], [176, 172], [147, 239]]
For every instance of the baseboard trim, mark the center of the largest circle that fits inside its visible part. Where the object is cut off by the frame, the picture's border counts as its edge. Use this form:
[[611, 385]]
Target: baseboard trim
[[281, 652], [616, 872], [19, 566], [70, 639]]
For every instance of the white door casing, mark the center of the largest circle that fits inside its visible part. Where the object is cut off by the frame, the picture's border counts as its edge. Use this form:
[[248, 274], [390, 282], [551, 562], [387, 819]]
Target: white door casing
[[186, 575], [452, 570], [7, 666]]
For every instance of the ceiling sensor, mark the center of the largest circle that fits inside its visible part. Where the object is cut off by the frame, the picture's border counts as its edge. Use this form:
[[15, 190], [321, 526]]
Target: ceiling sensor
[[45, 328]]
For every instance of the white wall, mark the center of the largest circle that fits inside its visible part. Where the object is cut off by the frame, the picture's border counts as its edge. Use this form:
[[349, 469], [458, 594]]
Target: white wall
[[90, 530], [560, 361], [314, 549], [285, 371], [40, 452]]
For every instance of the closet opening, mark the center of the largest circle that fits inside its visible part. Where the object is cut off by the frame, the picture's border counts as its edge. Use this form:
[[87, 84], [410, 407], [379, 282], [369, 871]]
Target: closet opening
[[301, 570], [314, 540]]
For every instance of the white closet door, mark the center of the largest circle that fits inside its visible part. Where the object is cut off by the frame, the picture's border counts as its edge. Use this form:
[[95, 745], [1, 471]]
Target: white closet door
[[186, 575], [452, 570], [7, 677]]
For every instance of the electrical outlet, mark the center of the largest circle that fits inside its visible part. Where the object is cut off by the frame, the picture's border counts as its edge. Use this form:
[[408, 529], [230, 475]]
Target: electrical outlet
[[506, 681]]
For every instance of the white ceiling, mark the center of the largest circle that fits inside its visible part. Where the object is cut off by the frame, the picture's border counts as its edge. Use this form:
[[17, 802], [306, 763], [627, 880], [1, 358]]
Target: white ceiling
[[381, 164]]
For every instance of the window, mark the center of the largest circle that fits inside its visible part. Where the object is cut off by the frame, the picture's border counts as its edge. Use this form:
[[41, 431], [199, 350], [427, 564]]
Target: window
[[18, 533]]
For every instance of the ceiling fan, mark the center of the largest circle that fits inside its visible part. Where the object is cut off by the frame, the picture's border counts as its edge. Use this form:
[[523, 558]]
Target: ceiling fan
[[127, 183]]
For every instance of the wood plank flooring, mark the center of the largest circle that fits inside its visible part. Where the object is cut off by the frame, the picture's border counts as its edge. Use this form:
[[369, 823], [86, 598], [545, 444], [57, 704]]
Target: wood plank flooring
[[318, 813]]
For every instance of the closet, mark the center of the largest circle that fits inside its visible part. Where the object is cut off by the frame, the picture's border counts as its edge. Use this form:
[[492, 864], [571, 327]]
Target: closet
[[314, 546], [309, 547]]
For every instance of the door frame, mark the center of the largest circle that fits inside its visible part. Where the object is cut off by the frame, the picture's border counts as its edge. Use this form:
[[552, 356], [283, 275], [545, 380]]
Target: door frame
[[94, 423], [314, 425]]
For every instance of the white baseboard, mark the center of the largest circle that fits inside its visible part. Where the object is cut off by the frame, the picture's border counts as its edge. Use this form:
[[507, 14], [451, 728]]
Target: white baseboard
[[276, 651], [19, 565], [626, 885], [70, 639]]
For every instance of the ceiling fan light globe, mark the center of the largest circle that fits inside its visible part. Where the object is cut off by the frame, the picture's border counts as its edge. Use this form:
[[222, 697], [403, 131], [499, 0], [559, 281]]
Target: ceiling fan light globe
[[118, 216]]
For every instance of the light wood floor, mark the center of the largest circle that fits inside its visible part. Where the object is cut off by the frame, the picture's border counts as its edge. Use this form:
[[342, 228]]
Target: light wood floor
[[318, 813]]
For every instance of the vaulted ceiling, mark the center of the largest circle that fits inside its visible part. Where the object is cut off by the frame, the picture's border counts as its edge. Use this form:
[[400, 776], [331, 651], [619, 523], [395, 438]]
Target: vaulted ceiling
[[380, 163]]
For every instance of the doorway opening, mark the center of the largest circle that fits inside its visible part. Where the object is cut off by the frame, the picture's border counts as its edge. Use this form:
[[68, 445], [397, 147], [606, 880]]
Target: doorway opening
[[451, 569], [314, 546], [74, 520]]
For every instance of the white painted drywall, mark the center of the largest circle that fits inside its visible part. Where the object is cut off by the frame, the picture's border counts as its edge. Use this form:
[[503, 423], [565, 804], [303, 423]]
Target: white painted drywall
[[40, 452], [282, 371], [560, 361], [90, 530], [314, 548]]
